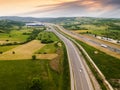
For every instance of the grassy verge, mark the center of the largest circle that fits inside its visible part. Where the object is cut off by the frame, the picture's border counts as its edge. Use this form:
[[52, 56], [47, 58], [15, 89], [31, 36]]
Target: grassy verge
[[66, 72], [93, 70]]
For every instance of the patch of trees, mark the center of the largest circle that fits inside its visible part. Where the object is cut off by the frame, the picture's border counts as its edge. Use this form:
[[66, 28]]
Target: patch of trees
[[74, 27], [113, 27], [35, 84], [7, 25], [113, 35], [33, 35], [45, 37]]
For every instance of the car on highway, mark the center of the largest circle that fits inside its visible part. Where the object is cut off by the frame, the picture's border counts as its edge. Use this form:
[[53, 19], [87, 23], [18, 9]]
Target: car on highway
[[103, 45]]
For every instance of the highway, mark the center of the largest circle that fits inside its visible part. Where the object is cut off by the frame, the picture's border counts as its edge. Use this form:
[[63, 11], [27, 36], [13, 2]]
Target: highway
[[79, 77], [111, 48]]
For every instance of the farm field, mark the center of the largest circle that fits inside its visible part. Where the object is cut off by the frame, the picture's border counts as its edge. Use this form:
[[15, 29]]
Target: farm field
[[18, 75], [50, 48], [114, 34], [97, 32], [6, 48], [109, 28], [26, 51], [14, 36], [50, 67]]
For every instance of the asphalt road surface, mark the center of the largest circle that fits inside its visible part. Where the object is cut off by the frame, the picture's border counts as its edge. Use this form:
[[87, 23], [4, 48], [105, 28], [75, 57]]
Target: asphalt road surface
[[79, 76], [111, 48]]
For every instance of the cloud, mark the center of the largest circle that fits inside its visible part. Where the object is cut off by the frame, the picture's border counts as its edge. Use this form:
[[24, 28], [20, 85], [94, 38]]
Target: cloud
[[80, 8]]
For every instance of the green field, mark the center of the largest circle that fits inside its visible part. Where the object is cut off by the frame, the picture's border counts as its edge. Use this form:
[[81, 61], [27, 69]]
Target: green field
[[6, 48], [51, 74], [15, 35], [47, 37], [49, 48], [17, 75], [51, 41], [109, 28]]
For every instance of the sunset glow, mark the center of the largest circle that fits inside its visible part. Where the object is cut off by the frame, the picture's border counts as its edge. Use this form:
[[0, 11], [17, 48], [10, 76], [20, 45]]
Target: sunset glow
[[58, 8]]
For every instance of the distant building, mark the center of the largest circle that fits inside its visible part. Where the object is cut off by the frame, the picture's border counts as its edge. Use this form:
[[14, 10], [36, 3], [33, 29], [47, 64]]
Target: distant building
[[34, 24]]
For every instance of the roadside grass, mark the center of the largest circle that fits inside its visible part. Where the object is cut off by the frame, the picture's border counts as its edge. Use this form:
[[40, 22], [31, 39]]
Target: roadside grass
[[110, 66], [59, 64], [6, 48], [66, 71]]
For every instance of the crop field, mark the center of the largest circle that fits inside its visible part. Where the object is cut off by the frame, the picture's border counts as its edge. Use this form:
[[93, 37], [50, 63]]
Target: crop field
[[50, 48], [24, 51], [93, 27], [18, 75], [6, 48], [31, 58], [19, 71], [94, 32], [14, 36], [103, 27]]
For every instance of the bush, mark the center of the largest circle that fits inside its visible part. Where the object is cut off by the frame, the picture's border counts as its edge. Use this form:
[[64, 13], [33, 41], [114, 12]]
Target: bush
[[1, 52], [34, 57], [13, 52], [46, 41]]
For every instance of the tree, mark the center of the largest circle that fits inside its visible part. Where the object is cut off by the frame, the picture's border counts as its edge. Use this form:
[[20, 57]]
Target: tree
[[1, 52], [34, 57], [13, 52], [35, 85]]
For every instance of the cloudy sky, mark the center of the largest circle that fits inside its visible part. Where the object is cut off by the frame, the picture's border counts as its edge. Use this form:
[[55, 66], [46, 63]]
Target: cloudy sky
[[60, 8]]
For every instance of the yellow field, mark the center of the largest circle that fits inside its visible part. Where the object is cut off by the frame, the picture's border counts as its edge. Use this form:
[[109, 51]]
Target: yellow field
[[25, 52]]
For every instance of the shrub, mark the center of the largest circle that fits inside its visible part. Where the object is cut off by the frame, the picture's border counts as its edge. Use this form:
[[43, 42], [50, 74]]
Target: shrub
[[34, 57], [13, 52], [1, 52], [35, 85]]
